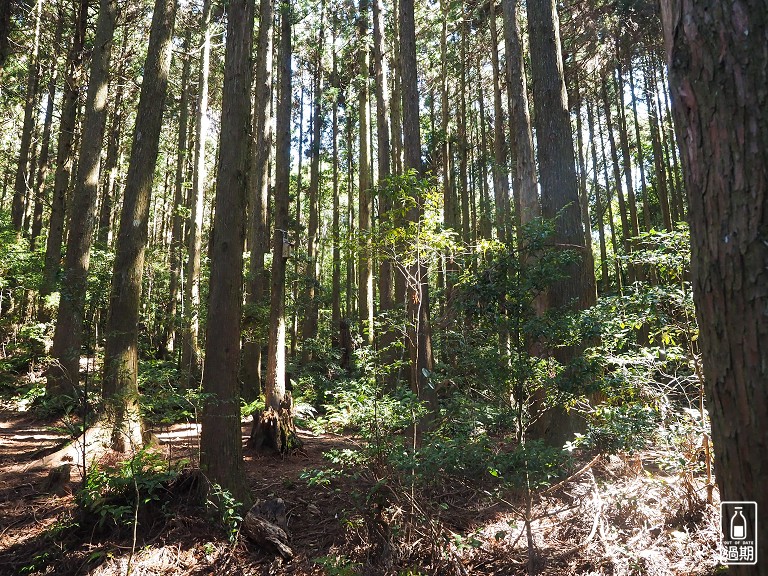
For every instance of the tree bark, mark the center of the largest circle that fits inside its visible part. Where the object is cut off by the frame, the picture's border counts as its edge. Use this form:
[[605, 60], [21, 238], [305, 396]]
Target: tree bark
[[522, 138], [120, 386], [500, 169], [258, 231], [190, 350], [44, 159], [275, 392], [718, 71], [309, 329], [419, 329], [23, 181], [365, 194], [167, 344], [559, 187], [221, 457], [64, 151], [68, 336]]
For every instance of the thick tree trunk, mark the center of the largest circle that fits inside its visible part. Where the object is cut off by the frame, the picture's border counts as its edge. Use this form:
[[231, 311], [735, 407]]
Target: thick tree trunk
[[419, 330], [221, 458], [559, 187], [68, 336], [190, 350], [718, 69], [258, 230], [121, 354], [525, 190]]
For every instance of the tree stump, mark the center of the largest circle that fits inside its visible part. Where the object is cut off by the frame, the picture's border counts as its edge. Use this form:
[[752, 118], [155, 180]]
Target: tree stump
[[275, 431]]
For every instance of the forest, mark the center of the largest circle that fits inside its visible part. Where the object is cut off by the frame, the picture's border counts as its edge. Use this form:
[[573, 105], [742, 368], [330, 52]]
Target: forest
[[383, 287]]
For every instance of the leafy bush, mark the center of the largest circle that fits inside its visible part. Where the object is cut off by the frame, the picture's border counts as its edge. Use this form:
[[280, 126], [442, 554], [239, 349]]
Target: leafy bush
[[114, 493]]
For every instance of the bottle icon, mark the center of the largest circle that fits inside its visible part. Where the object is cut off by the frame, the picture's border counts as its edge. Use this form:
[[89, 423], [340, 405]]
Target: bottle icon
[[738, 525]]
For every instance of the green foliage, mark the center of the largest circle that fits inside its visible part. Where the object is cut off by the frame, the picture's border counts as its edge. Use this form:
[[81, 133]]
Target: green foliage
[[113, 493], [226, 510], [612, 429], [338, 565]]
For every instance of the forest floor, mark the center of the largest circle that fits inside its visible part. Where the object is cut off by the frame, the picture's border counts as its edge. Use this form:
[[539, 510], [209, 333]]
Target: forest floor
[[613, 516]]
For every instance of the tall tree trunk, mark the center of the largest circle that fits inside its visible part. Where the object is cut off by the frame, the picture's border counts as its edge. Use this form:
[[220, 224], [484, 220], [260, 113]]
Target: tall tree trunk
[[190, 350], [559, 187], [64, 151], [309, 329], [221, 456], [43, 161], [365, 194], [121, 355], [500, 177], [419, 329], [23, 172], [718, 69], [462, 141], [640, 154], [170, 323], [383, 141], [276, 397], [626, 231], [526, 191], [335, 233], [258, 231], [606, 281], [662, 191], [68, 336], [112, 161]]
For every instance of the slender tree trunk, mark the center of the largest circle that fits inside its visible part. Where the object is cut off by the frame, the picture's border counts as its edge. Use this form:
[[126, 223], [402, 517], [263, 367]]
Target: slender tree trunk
[[419, 330], [221, 456], [170, 323], [462, 142], [606, 281], [258, 231], [68, 336], [190, 350], [383, 142], [335, 234], [500, 177], [365, 194], [23, 172], [658, 153], [626, 156], [43, 160], [640, 154], [397, 110], [484, 224], [309, 329], [626, 230], [120, 386], [64, 152], [112, 161], [718, 69], [276, 397]]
